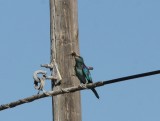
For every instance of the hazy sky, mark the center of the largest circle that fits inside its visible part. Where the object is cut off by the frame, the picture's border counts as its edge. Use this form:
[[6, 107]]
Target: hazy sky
[[117, 37]]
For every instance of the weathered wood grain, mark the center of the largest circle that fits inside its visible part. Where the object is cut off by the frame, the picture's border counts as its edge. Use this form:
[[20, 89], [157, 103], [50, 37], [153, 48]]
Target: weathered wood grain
[[64, 40]]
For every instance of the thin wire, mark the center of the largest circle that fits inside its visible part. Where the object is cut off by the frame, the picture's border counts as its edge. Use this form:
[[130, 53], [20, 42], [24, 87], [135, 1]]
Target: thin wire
[[74, 89]]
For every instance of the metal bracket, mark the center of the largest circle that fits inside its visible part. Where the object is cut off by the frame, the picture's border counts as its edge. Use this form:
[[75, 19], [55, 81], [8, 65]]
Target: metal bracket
[[90, 68], [39, 82], [56, 76], [47, 66], [55, 71]]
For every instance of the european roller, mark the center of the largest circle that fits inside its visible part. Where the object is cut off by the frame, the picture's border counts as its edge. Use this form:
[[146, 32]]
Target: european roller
[[82, 72]]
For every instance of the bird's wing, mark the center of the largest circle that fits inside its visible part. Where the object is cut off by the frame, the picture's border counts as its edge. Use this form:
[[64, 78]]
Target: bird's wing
[[80, 75], [87, 73]]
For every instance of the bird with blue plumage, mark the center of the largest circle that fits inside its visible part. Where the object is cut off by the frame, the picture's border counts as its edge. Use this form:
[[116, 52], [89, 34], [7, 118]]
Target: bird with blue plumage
[[83, 72]]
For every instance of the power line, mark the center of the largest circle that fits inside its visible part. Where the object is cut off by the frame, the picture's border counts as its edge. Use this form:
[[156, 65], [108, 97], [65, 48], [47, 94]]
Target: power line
[[74, 89]]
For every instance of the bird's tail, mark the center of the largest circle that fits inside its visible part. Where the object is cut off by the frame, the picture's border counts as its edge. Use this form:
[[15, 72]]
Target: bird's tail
[[95, 92]]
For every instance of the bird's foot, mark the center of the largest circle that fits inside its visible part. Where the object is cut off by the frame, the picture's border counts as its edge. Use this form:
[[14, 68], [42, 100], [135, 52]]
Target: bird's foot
[[83, 85]]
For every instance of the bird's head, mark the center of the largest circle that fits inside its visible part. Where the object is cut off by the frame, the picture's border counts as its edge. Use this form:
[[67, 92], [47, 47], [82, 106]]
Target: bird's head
[[77, 57]]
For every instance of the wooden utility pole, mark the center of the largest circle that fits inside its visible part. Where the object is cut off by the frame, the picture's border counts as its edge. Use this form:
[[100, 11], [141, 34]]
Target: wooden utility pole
[[64, 40]]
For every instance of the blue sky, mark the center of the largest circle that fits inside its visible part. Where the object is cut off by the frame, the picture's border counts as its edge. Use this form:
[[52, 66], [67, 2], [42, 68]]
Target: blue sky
[[118, 38]]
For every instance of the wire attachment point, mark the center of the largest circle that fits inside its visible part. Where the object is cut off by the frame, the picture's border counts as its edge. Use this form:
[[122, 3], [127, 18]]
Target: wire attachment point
[[56, 76], [47, 66], [39, 82]]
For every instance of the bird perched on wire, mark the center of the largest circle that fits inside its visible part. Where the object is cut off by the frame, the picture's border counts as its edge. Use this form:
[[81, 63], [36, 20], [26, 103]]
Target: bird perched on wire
[[82, 72]]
